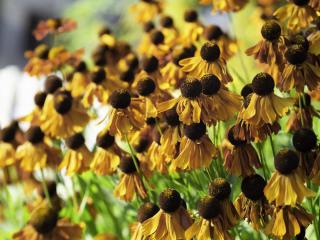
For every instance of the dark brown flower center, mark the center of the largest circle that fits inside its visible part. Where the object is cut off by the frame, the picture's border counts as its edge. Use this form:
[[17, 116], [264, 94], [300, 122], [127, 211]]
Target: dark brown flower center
[[191, 88], [186, 52], [166, 22], [190, 16], [151, 121], [120, 99], [146, 211], [210, 84], [44, 220], [213, 32], [208, 207], [127, 165], [40, 98], [81, 67], [194, 131], [63, 102], [271, 30], [35, 135], [156, 37], [148, 26], [105, 140], [146, 86], [98, 76], [150, 64], [233, 139], [263, 84], [301, 2], [246, 90], [169, 200], [52, 84], [219, 188], [142, 145], [75, 142], [104, 30], [171, 116], [127, 76], [253, 186], [7, 134], [296, 54], [304, 140], [299, 39], [286, 161], [210, 52]]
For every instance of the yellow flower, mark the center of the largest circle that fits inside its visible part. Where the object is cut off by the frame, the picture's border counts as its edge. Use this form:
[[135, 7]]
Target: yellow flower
[[128, 113], [227, 45], [35, 153], [225, 5], [299, 70], [170, 32], [105, 160], [146, 211], [77, 158], [45, 224], [221, 190], [130, 181], [265, 107], [171, 221], [297, 15], [7, 149], [251, 204], [269, 50], [208, 62], [287, 222], [209, 226], [63, 115], [218, 104], [242, 158], [286, 186], [146, 10], [196, 149], [79, 80], [192, 30], [100, 88]]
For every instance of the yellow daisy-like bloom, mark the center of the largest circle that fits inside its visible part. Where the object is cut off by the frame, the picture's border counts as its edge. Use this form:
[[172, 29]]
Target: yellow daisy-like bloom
[[105, 160], [45, 224], [192, 30], [77, 158], [63, 115], [128, 114], [314, 40], [265, 107], [171, 221], [269, 50], [303, 114], [7, 148], [157, 48], [131, 182], [251, 204], [35, 153], [145, 40], [146, 10], [242, 158], [225, 5], [286, 186], [299, 70], [196, 149], [209, 225], [188, 106], [34, 117], [170, 32], [79, 80], [100, 88], [146, 211], [208, 62], [227, 45], [221, 190], [287, 222], [218, 104], [297, 15]]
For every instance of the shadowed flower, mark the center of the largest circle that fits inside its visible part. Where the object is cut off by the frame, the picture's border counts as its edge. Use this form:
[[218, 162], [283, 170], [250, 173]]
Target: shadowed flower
[[223, 6]]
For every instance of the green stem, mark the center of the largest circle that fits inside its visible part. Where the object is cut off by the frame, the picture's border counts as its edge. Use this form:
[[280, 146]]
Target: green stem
[[45, 187], [272, 146]]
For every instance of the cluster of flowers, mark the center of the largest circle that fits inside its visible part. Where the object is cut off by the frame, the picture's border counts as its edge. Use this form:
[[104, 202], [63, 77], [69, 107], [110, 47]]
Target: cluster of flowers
[[164, 97]]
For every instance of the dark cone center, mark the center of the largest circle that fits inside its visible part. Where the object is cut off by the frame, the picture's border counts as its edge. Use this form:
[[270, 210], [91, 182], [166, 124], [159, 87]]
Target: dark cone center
[[146, 86], [44, 220], [35, 135], [286, 161], [127, 165], [169, 200], [166, 22], [304, 140], [210, 84], [52, 84], [63, 102], [296, 54], [253, 186], [271, 30], [150, 64], [208, 207], [120, 99], [263, 84], [146, 211], [40, 98], [246, 90], [75, 142], [210, 52], [171, 116], [213, 32], [190, 16], [301, 2], [105, 141], [98, 76], [194, 131], [156, 37], [219, 188], [191, 88]]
